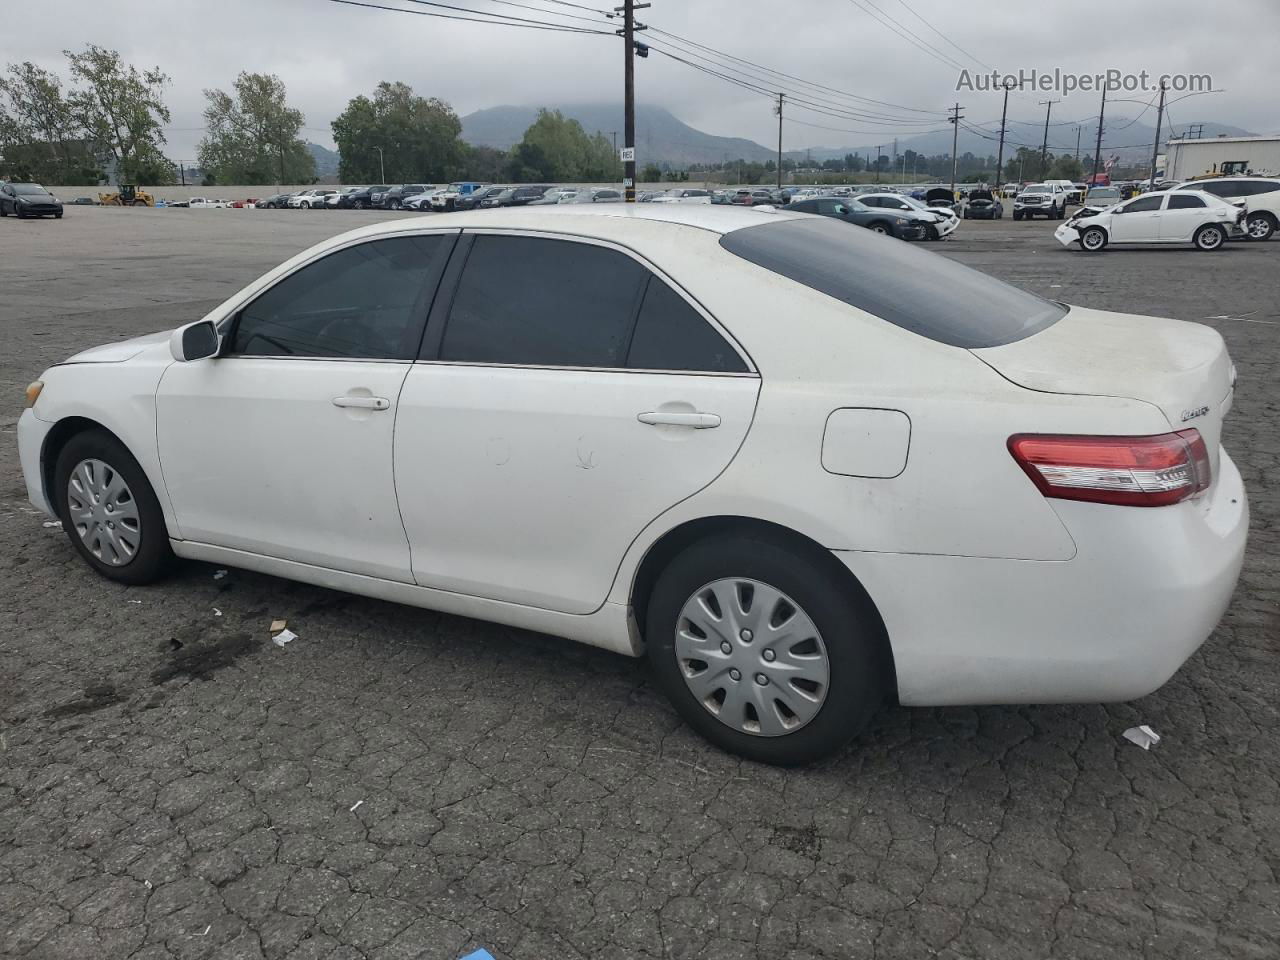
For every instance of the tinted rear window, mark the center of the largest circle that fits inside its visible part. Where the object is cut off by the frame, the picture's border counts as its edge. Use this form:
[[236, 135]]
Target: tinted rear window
[[925, 293]]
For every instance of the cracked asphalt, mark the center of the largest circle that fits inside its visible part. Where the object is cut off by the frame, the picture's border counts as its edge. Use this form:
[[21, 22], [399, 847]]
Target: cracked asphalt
[[400, 784]]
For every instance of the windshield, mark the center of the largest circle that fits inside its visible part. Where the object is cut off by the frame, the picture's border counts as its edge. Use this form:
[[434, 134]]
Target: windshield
[[1037, 190], [28, 189], [927, 294], [1103, 193]]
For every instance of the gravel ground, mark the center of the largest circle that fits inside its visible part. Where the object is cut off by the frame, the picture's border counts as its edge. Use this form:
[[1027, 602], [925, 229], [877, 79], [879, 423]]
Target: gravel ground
[[401, 784]]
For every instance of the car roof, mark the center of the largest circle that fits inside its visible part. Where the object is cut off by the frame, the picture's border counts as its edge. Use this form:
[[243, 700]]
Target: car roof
[[702, 216]]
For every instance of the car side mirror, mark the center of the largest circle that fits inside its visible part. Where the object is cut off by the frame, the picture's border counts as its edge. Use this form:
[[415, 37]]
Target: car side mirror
[[195, 341]]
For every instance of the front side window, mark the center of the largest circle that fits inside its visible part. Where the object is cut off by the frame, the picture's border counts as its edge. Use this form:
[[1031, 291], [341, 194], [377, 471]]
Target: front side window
[[1184, 201], [1144, 204], [362, 302]]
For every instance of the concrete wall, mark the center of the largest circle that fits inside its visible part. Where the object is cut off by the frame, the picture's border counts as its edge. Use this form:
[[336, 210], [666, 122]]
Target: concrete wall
[[183, 193]]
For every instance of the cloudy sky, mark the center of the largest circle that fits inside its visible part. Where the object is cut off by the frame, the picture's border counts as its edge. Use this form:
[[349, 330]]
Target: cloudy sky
[[905, 53]]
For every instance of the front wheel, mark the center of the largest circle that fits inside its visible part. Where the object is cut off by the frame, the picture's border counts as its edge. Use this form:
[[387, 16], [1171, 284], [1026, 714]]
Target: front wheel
[[879, 228], [764, 650], [1260, 226], [109, 510], [1093, 239], [1017, 214], [1210, 237], [931, 232]]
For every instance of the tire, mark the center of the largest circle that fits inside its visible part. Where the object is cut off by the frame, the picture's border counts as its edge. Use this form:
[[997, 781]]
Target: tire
[[1017, 214], [17, 212], [849, 640], [1210, 237], [58, 215], [394, 205], [931, 232], [879, 226], [1260, 226], [151, 557], [358, 205], [1093, 239]]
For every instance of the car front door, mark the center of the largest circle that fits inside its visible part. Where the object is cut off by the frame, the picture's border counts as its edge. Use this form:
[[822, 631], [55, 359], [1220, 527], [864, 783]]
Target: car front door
[[1181, 217], [1138, 220], [568, 395], [282, 444]]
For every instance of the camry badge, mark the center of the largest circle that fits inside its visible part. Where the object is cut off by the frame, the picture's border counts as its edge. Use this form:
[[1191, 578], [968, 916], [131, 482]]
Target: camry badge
[[1192, 414]]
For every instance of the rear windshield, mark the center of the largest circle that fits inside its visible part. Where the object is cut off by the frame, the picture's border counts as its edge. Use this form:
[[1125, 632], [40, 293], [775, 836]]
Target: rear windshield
[[925, 293]]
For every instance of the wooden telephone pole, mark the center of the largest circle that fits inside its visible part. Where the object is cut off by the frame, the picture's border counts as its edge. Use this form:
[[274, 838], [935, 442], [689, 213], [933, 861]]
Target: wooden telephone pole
[[628, 31]]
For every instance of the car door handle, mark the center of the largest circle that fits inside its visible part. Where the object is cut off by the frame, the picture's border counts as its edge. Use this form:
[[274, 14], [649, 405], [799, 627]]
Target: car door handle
[[699, 421], [363, 403]]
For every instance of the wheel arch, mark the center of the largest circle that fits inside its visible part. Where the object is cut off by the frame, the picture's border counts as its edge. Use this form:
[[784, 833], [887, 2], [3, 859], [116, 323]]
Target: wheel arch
[[664, 549], [58, 437]]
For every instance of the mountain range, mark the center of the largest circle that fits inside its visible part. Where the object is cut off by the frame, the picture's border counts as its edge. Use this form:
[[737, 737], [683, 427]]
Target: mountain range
[[663, 138]]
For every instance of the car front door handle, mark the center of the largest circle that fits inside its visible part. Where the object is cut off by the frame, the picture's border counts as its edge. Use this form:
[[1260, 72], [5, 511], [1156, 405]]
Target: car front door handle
[[363, 403], [699, 421]]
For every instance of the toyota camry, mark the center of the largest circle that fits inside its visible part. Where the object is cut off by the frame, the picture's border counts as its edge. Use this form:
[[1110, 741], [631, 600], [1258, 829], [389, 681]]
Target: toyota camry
[[803, 469]]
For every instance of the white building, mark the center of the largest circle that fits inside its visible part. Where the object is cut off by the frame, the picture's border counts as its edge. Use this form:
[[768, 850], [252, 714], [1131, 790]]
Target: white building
[[1222, 155]]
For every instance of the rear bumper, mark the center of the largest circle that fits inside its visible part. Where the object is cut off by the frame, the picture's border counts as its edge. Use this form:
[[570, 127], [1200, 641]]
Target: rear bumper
[[1145, 589]]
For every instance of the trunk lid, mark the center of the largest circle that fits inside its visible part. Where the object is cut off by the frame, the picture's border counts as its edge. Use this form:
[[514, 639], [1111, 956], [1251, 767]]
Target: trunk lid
[[1182, 368]]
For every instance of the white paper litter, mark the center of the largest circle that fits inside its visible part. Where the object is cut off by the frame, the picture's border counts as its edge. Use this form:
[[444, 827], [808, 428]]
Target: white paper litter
[[52, 523], [219, 574], [217, 612], [1143, 736], [283, 637], [355, 805]]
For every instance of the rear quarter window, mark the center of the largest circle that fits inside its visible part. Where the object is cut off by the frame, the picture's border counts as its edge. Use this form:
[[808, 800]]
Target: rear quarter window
[[925, 293]]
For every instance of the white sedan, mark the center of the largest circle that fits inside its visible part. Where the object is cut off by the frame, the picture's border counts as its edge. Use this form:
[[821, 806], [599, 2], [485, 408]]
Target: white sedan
[[805, 469], [1184, 216]]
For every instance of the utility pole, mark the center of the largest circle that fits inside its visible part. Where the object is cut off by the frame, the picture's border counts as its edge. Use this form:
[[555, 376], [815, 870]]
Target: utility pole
[[1155, 147], [1004, 114], [182, 172], [1097, 152], [877, 163], [779, 141], [629, 27], [1077, 144], [955, 118], [1044, 146], [382, 167]]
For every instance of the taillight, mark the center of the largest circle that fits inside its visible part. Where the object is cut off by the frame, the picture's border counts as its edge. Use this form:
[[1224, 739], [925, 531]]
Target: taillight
[[1127, 471]]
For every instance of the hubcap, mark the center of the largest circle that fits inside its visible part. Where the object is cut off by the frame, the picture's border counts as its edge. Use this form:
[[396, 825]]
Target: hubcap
[[752, 657], [1210, 238], [104, 513], [1259, 227], [1092, 239]]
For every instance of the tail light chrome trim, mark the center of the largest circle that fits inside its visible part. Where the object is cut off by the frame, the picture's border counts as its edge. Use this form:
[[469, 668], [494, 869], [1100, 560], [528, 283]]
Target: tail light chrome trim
[[1147, 471]]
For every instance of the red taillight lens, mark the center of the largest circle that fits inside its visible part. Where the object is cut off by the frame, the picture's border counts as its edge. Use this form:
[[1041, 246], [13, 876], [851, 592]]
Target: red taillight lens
[[1126, 471]]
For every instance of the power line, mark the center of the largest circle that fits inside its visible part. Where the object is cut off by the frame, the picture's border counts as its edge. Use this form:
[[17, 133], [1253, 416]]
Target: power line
[[506, 22], [787, 76], [912, 11], [887, 21]]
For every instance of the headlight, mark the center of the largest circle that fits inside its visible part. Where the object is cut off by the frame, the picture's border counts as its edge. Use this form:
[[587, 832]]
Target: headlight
[[33, 392], [900, 222]]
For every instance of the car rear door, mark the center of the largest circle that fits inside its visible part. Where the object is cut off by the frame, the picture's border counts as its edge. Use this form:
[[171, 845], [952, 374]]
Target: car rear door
[[1182, 215], [567, 395], [281, 446]]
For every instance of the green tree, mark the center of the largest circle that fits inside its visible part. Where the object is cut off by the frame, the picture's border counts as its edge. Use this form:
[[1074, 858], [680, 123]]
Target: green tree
[[1066, 167], [39, 136], [483, 163], [123, 112], [418, 137], [651, 173], [253, 135], [566, 152]]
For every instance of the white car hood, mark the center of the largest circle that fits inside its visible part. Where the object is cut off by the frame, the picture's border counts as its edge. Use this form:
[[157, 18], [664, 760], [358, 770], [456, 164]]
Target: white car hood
[[121, 351]]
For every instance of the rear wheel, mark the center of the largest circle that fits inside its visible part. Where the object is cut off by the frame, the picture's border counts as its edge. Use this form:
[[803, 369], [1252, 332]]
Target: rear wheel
[[764, 651], [1017, 214], [109, 509], [1210, 237], [1260, 226], [879, 227]]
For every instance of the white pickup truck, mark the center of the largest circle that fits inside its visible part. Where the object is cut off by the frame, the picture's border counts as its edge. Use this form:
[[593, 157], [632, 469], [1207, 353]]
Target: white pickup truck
[[1041, 199]]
